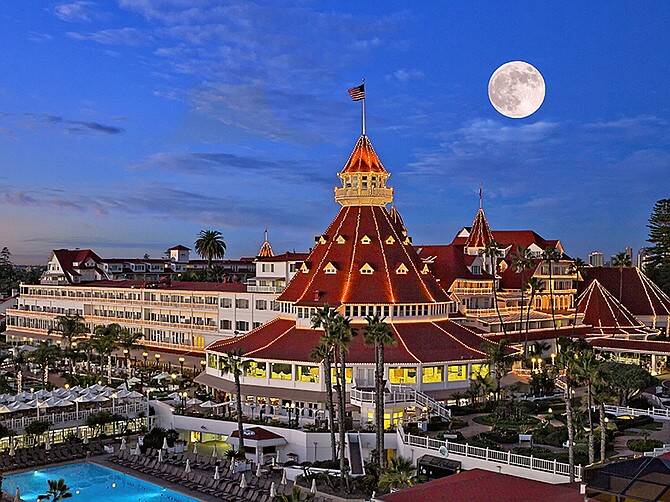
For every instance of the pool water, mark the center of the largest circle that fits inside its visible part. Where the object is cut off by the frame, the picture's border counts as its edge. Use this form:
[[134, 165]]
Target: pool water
[[89, 482]]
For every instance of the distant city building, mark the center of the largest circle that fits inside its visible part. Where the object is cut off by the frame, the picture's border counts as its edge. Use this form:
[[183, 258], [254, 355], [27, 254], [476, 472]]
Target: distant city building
[[642, 258], [596, 259], [629, 252]]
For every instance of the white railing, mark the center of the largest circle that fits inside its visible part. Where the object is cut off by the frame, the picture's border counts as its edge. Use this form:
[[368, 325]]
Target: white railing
[[658, 413], [490, 455], [128, 410], [264, 289], [658, 451], [401, 394]]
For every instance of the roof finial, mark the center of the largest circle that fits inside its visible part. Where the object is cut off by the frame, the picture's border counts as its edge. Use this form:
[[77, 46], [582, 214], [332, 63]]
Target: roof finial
[[481, 196], [265, 234]]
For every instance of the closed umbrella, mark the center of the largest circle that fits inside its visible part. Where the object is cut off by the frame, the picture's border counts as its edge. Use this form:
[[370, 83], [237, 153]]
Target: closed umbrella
[[243, 481], [47, 444], [312, 490], [123, 444], [12, 451], [85, 438], [165, 445], [187, 469], [283, 477], [259, 472], [217, 476], [214, 452], [195, 448], [273, 490], [160, 455], [137, 449]]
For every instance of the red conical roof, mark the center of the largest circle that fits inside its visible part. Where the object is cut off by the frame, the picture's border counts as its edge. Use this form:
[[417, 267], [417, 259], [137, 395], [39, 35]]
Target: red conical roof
[[265, 250], [363, 237], [605, 313], [480, 233], [363, 159]]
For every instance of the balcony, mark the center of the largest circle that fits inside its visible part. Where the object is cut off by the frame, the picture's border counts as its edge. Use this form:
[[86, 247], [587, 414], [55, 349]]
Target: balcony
[[265, 289], [472, 291]]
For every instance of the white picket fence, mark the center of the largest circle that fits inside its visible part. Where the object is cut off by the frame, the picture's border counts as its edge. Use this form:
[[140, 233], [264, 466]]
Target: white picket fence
[[657, 413], [490, 455]]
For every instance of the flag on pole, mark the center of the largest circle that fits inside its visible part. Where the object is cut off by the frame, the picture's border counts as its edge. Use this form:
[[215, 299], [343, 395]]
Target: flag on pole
[[357, 93]]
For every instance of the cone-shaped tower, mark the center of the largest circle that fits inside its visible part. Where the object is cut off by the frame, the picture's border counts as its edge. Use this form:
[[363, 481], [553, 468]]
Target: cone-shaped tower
[[265, 250]]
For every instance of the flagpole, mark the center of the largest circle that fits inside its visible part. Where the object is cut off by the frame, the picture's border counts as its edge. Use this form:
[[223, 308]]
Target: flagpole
[[363, 117]]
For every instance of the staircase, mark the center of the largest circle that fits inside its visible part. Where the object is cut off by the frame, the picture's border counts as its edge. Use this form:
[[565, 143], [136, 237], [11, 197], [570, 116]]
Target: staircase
[[355, 454], [402, 394]]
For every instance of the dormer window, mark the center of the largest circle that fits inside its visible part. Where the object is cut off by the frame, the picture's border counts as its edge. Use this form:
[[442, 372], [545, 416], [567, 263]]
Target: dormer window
[[304, 268], [476, 269], [321, 239], [401, 269], [390, 240], [330, 268], [407, 241], [367, 269], [425, 270], [341, 239], [366, 240]]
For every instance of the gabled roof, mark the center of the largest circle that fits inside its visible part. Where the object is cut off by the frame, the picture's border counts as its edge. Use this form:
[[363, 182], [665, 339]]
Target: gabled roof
[[416, 342], [638, 293], [287, 256], [448, 262], [384, 286], [67, 257], [480, 232], [179, 247], [523, 238], [363, 158], [605, 313]]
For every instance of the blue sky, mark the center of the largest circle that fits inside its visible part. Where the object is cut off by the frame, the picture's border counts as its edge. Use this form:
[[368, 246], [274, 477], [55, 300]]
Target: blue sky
[[129, 125]]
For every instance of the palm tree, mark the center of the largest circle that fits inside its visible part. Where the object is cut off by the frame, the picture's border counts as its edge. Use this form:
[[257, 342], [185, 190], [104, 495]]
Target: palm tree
[[551, 256], [324, 318], [586, 369], [343, 334], [210, 246], [536, 286], [576, 268], [234, 363], [492, 252], [378, 334], [69, 327], [400, 474], [44, 356], [295, 496], [104, 341], [567, 360], [621, 261], [522, 260], [87, 348], [58, 490], [601, 393], [128, 341], [499, 361]]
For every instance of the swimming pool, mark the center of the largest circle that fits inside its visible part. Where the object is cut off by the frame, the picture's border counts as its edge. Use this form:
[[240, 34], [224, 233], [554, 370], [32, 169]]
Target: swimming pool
[[88, 481]]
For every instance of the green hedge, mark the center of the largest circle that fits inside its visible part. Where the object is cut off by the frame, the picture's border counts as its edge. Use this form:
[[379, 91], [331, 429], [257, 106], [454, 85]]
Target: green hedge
[[642, 445]]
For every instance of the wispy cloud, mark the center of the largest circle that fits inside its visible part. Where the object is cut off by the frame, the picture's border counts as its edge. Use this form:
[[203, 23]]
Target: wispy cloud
[[79, 11], [112, 36], [405, 75], [32, 120]]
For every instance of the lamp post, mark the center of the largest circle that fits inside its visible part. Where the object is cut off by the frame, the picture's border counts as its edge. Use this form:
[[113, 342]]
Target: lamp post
[[183, 396], [203, 363], [158, 359], [125, 359], [533, 360], [287, 407], [253, 408], [145, 355], [553, 359], [181, 365], [173, 377]]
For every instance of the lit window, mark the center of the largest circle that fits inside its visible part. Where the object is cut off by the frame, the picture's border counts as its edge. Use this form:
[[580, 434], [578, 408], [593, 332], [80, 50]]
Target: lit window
[[402, 375], [481, 370], [349, 375], [401, 269], [330, 268], [365, 240], [432, 374], [256, 369], [390, 240], [341, 239], [367, 269], [457, 372], [425, 269], [211, 360], [304, 268], [308, 374], [281, 371]]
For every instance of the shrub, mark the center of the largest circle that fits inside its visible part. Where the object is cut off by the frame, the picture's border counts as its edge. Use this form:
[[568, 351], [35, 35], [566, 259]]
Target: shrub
[[628, 423], [642, 445]]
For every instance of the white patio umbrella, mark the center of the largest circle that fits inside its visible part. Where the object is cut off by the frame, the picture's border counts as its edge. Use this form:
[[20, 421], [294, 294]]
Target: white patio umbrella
[[134, 395], [20, 406], [214, 451], [243, 481], [312, 490], [187, 469], [217, 476], [42, 394], [123, 444], [207, 404], [273, 490], [5, 409], [65, 402], [283, 477], [52, 402], [134, 381], [160, 455], [165, 445], [84, 398], [76, 388], [193, 401], [99, 399], [122, 394], [123, 386], [195, 448], [174, 395], [161, 376], [137, 450]]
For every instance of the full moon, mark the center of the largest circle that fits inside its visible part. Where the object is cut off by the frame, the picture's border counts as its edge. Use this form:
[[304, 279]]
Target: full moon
[[516, 89]]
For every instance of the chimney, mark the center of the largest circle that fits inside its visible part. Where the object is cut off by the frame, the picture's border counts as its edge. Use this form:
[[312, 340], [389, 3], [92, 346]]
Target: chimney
[[317, 294]]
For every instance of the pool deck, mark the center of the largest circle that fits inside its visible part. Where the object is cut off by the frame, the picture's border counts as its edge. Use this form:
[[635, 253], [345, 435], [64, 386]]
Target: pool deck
[[102, 460]]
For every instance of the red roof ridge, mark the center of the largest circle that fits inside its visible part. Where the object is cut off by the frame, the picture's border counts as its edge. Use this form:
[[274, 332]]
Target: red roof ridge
[[456, 339], [271, 342], [404, 344], [386, 265], [480, 233]]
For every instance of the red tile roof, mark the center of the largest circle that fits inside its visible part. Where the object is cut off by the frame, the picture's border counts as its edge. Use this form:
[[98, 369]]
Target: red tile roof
[[605, 313], [256, 434], [646, 346], [67, 257], [348, 284], [448, 262], [480, 232], [416, 342], [179, 247], [287, 256], [544, 334], [640, 295], [478, 485], [363, 159]]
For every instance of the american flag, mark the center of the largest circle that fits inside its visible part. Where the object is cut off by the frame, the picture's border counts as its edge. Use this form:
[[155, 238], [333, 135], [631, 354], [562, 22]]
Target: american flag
[[357, 93]]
